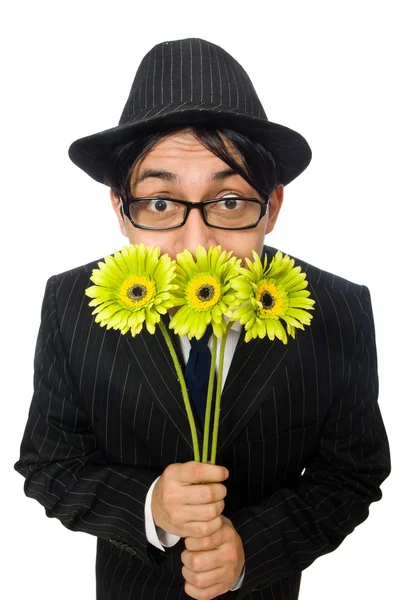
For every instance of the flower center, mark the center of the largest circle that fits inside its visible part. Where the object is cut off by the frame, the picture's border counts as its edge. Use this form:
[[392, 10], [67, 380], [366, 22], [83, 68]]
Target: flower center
[[203, 292], [137, 291], [267, 300], [270, 298]]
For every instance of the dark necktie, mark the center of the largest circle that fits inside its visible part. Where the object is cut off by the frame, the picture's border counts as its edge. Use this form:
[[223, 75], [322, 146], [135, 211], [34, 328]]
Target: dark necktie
[[198, 371]]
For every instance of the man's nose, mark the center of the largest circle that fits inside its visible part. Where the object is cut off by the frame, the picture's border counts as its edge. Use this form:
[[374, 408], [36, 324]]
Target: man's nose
[[195, 232]]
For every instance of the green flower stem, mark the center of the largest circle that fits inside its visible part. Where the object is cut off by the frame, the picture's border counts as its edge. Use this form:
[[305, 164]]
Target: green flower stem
[[185, 393], [209, 400], [218, 395]]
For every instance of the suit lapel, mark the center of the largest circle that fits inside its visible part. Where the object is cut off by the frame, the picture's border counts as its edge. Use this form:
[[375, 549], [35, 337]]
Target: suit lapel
[[252, 374], [152, 356]]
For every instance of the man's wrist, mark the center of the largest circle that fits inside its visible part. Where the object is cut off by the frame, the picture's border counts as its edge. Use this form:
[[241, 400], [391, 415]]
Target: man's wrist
[[155, 535], [239, 581]]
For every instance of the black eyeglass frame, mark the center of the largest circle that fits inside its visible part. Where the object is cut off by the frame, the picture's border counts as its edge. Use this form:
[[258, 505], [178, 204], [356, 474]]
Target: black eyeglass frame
[[126, 202]]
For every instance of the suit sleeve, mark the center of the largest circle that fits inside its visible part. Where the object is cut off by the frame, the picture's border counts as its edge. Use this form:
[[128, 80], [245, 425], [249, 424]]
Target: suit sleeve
[[293, 527], [63, 466]]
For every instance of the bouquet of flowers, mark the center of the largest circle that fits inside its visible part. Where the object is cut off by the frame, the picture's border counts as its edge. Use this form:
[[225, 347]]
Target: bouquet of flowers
[[138, 284]]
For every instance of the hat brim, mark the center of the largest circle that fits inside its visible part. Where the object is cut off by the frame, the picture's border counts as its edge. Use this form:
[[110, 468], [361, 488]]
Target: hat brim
[[290, 150]]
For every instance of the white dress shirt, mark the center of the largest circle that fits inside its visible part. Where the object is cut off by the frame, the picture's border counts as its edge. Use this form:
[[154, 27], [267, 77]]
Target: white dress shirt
[[155, 535]]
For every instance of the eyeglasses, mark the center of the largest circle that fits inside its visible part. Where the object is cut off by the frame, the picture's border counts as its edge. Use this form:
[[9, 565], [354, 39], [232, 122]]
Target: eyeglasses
[[161, 213]]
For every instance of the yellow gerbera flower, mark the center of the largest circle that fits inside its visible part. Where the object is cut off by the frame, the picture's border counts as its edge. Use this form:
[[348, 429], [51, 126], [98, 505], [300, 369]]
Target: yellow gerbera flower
[[204, 291], [132, 287], [272, 293]]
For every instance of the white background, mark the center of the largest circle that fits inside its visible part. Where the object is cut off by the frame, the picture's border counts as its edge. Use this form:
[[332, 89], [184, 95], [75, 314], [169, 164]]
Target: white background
[[326, 69]]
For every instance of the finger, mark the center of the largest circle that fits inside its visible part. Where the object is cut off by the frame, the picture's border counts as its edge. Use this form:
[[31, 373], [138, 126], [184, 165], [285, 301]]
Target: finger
[[198, 513], [202, 561], [201, 512], [199, 529], [204, 493], [213, 591], [196, 472], [203, 579], [210, 542]]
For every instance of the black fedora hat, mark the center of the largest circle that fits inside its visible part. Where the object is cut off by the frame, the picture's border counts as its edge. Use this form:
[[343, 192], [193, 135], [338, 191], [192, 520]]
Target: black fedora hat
[[192, 81]]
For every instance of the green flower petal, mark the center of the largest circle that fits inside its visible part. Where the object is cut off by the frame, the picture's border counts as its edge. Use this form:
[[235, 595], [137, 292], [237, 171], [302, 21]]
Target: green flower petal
[[301, 315], [152, 260], [282, 282], [186, 264], [218, 330], [305, 303], [257, 266], [212, 265], [136, 330], [248, 336], [113, 307], [299, 294], [201, 257], [241, 284], [270, 329], [106, 280], [280, 332]]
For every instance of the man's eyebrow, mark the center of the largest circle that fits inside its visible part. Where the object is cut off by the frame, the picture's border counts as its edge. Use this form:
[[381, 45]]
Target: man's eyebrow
[[174, 178]]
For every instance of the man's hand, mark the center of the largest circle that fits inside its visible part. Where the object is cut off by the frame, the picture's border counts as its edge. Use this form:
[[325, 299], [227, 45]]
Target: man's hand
[[182, 507], [213, 563]]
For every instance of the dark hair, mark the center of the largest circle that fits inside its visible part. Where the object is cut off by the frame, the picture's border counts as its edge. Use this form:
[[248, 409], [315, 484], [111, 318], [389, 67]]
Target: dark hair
[[259, 168]]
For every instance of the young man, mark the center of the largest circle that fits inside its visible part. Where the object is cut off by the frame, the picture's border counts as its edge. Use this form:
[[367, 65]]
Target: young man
[[302, 448]]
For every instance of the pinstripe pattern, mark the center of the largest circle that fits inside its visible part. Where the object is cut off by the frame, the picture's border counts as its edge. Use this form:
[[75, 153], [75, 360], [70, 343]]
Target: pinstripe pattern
[[301, 434], [191, 80], [199, 62]]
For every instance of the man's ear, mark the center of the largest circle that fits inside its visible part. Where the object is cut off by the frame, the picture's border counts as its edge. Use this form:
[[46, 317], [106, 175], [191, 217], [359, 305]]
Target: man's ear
[[275, 203], [118, 209]]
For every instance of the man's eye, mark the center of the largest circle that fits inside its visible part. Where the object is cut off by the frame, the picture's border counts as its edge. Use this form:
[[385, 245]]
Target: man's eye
[[160, 205], [230, 202]]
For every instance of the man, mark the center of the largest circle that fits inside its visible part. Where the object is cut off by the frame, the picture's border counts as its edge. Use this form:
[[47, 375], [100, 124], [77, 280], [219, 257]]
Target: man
[[302, 448]]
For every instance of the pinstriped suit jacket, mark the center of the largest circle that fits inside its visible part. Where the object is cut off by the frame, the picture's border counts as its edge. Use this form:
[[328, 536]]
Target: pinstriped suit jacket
[[300, 432]]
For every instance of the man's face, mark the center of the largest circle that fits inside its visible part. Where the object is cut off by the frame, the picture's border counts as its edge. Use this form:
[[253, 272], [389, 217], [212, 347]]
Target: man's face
[[193, 165]]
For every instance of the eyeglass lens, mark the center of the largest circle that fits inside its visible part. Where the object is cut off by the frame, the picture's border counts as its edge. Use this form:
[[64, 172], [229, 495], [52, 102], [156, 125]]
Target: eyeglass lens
[[162, 213]]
